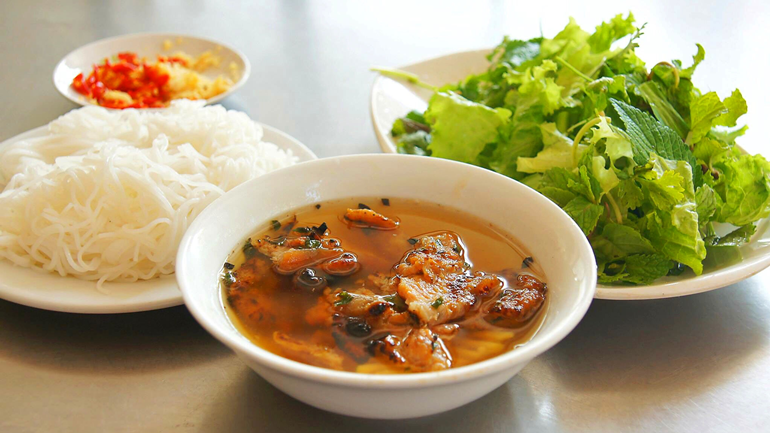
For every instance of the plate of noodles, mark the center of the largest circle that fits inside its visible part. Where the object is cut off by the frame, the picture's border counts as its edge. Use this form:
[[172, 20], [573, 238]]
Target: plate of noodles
[[149, 70], [94, 204]]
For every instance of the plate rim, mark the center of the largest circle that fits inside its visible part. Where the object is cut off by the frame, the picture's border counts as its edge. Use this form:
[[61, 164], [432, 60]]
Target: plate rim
[[34, 298], [237, 85], [706, 282]]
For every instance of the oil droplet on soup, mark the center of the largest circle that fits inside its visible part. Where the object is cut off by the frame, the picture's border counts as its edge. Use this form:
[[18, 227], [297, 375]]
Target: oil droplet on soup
[[383, 286]]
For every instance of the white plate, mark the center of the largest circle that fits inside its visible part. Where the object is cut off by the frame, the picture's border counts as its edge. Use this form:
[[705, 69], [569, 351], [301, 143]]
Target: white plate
[[392, 99], [52, 292], [148, 45]]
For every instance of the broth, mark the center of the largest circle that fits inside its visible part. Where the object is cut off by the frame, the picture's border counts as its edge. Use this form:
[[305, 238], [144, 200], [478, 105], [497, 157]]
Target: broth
[[361, 322]]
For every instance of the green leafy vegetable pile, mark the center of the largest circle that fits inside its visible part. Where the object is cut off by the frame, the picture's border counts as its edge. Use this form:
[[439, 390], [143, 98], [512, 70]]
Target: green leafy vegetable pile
[[642, 160]]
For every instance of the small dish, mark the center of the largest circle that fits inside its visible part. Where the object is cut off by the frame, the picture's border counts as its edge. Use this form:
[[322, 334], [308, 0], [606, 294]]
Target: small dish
[[539, 226], [147, 45], [67, 294], [391, 99]]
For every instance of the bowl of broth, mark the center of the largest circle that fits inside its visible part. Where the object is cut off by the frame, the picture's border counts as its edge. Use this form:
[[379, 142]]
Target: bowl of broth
[[386, 286]]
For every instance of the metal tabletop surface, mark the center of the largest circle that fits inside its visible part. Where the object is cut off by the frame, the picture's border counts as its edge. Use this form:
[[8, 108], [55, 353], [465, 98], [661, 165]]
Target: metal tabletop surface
[[699, 363]]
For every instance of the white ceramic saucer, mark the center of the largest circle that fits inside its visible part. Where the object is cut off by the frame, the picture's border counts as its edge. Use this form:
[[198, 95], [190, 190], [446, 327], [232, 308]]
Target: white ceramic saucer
[[148, 45]]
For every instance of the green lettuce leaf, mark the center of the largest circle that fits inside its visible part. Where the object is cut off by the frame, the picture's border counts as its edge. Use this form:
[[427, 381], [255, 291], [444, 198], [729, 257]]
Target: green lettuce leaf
[[415, 143], [676, 236], [744, 189], [608, 32], [706, 200], [557, 152], [709, 150], [616, 143], [736, 238], [727, 135], [736, 107], [460, 128], [696, 59], [673, 227], [703, 111]]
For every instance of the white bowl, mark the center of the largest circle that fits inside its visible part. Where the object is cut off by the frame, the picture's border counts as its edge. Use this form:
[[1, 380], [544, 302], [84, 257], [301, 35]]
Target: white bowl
[[148, 45], [546, 232]]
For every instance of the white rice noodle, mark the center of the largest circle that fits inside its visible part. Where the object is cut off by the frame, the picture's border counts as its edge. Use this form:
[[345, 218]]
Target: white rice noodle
[[107, 195]]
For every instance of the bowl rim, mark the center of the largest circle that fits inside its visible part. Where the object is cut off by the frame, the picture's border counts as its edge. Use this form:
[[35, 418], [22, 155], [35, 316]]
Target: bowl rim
[[237, 85], [237, 342]]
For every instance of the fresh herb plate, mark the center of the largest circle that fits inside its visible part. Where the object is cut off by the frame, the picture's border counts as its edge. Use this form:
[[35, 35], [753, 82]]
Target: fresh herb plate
[[392, 99]]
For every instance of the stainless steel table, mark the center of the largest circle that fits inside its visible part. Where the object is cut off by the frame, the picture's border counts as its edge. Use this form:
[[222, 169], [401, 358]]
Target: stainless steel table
[[700, 363]]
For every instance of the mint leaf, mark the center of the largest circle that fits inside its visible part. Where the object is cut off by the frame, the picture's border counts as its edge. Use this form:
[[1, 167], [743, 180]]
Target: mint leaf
[[515, 52], [587, 185], [650, 136], [461, 128], [555, 185], [646, 268], [517, 140], [629, 194], [617, 241], [585, 213], [636, 269], [665, 112]]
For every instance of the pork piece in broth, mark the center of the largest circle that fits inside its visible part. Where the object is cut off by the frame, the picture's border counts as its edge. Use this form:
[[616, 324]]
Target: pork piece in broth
[[365, 291], [436, 282]]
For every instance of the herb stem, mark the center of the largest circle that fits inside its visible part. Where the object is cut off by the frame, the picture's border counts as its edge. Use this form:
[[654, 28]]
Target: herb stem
[[674, 70], [573, 69], [580, 134], [615, 208], [403, 75]]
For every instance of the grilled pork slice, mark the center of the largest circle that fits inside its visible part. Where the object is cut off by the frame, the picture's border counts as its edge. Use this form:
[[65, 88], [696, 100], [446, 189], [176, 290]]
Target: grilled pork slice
[[436, 282], [420, 350], [379, 311], [519, 303], [371, 219], [290, 255], [245, 294]]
